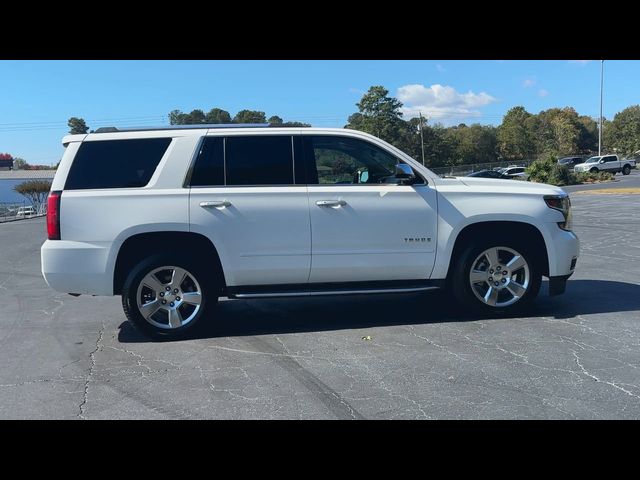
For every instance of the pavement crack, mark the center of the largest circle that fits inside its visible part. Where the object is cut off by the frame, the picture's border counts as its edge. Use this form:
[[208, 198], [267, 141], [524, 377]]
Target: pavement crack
[[139, 358], [595, 378], [92, 356]]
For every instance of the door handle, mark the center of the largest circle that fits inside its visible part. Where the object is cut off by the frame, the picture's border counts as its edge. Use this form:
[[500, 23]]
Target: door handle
[[331, 203], [216, 204]]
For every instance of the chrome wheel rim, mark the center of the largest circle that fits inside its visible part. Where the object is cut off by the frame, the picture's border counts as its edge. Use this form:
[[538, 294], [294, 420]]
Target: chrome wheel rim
[[499, 277], [169, 297]]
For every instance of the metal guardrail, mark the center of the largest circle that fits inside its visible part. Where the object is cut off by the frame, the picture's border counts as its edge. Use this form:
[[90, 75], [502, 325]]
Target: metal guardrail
[[11, 211]]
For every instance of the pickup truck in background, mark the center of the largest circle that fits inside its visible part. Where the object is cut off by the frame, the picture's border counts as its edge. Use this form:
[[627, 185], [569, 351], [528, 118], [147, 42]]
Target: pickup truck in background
[[606, 163]]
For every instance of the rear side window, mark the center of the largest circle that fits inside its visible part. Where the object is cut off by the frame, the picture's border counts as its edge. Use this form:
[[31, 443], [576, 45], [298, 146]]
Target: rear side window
[[116, 163], [259, 160]]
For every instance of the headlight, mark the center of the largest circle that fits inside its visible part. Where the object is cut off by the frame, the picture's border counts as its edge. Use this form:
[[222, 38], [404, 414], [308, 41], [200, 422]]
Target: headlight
[[561, 203]]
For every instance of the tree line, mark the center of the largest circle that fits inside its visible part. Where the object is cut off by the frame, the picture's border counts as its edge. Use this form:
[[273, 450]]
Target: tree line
[[520, 136], [198, 116]]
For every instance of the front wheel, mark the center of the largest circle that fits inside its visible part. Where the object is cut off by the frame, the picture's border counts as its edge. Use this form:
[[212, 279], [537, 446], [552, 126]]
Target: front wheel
[[593, 170], [626, 170], [497, 276], [166, 297]]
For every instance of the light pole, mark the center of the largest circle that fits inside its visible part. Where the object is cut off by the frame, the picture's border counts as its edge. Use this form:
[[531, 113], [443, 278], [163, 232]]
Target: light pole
[[421, 138], [600, 129]]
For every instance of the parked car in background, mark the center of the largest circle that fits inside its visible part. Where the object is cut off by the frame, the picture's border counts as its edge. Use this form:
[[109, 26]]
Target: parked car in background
[[488, 174], [606, 163], [25, 211], [515, 172], [570, 162]]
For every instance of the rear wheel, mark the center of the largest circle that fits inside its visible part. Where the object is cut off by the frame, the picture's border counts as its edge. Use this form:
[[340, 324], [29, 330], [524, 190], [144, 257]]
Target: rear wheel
[[167, 297], [497, 276], [626, 170]]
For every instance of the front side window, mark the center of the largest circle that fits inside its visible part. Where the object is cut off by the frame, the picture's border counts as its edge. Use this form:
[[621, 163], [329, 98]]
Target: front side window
[[610, 158], [116, 163], [335, 160]]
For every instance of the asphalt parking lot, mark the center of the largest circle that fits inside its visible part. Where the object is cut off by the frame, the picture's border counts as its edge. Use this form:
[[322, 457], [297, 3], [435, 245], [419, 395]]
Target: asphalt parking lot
[[575, 356]]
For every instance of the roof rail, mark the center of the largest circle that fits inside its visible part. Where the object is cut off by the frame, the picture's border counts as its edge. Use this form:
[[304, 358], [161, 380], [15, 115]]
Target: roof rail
[[182, 127]]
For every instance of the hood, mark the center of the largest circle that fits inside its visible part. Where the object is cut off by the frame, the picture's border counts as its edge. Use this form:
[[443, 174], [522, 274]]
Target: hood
[[493, 184]]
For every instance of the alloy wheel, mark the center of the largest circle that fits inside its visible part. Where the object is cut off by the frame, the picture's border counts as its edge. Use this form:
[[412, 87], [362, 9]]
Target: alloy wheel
[[499, 277], [169, 297]]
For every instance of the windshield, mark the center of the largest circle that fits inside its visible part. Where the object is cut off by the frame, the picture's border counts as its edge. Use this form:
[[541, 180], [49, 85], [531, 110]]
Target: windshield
[[593, 160]]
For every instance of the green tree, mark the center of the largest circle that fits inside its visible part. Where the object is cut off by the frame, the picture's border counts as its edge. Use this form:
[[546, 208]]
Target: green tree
[[275, 120], [197, 116], [557, 131], [588, 134], [176, 117], [77, 125], [623, 132], [250, 116], [380, 115], [515, 140], [217, 115], [294, 124], [472, 144], [19, 163], [36, 191]]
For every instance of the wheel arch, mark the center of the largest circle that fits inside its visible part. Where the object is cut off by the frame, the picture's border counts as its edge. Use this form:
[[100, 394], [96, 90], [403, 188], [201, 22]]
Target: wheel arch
[[487, 228], [142, 245]]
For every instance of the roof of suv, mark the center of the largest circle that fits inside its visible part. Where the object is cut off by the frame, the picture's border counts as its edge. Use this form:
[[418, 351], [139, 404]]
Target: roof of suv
[[108, 133]]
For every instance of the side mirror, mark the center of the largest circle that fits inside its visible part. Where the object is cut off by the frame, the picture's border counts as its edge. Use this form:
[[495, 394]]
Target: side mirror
[[404, 171], [601, 160]]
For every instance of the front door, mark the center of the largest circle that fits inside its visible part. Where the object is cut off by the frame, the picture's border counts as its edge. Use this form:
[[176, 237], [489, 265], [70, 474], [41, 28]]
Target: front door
[[365, 226]]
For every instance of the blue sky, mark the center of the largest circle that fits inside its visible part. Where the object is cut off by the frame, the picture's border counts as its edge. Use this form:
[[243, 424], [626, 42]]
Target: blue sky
[[37, 97]]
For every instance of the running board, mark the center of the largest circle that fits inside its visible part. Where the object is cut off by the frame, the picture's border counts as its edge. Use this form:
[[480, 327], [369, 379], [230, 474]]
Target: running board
[[348, 288]]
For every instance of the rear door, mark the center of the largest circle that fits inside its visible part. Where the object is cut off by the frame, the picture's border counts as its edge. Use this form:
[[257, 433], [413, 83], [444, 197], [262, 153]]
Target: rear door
[[365, 226], [243, 197], [611, 163]]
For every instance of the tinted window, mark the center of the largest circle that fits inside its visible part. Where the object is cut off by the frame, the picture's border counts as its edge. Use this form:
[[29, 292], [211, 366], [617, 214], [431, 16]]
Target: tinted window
[[209, 167], [116, 163], [259, 160], [343, 160], [610, 158]]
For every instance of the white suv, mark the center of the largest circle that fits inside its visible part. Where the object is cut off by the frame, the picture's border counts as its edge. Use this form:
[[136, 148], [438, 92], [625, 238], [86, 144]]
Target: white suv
[[174, 218]]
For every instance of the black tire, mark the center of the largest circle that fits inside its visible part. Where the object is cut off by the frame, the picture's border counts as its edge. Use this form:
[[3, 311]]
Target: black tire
[[626, 170], [209, 286], [594, 170], [460, 285]]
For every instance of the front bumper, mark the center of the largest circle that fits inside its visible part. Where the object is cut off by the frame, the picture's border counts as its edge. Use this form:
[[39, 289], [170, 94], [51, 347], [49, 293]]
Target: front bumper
[[563, 249], [77, 267]]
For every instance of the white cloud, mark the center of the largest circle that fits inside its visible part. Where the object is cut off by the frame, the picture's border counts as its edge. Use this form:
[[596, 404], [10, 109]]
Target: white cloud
[[529, 82], [441, 103], [543, 93], [579, 62], [440, 68]]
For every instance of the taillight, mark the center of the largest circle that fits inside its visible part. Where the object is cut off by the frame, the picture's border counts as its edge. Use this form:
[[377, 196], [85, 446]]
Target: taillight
[[53, 215]]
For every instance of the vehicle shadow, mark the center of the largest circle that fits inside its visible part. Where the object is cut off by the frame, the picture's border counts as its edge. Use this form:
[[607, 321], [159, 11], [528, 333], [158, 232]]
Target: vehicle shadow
[[298, 315]]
